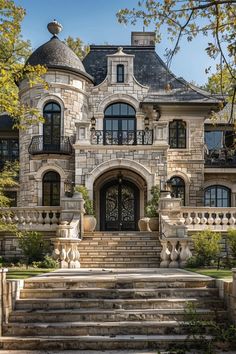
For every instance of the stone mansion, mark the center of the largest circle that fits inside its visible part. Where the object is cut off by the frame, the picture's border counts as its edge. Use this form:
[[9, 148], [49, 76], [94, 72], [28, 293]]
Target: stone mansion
[[119, 123]]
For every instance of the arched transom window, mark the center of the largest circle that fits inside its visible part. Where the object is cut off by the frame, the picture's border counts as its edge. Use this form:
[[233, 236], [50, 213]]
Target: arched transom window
[[119, 124], [177, 134], [217, 196], [51, 188], [52, 126]]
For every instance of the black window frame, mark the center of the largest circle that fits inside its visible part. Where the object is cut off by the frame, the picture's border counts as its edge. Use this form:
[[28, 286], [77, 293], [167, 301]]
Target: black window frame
[[120, 73], [51, 139], [178, 188], [11, 156], [176, 141], [214, 197], [52, 182], [117, 115]]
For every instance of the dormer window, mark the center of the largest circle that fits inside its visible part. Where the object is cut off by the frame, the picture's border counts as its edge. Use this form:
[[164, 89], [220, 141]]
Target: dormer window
[[120, 73]]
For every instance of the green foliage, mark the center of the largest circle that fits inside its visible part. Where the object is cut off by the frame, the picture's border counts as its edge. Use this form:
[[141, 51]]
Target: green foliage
[[49, 262], [231, 239], [88, 203], [222, 333], [152, 204], [187, 20], [13, 51], [206, 247], [32, 245], [78, 46]]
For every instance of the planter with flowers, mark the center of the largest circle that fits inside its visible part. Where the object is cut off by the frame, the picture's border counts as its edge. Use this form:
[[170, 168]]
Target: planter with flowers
[[89, 218]]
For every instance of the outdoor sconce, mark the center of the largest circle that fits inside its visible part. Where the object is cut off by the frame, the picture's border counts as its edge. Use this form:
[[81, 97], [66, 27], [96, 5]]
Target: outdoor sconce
[[93, 123], [69, 188], [168, 185], [146, 122], [158, 114]]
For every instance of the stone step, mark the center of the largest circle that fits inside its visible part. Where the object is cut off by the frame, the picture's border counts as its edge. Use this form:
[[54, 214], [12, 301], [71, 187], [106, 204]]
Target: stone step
[[109, 249], [123, 342], [98, 293], [125, 304], [121, 234], [107, 265], [119, 253], [115, 315], [105, 328], [113, 282], [119, 258]]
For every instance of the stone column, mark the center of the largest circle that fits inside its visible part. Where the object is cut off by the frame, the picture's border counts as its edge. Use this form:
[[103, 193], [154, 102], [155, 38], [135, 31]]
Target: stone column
[[3, 296]]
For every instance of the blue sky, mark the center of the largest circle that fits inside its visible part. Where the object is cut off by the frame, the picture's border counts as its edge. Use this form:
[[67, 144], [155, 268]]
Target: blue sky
[[94, 21]]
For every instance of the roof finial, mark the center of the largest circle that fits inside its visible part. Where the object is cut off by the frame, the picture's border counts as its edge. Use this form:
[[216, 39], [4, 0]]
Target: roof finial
[[54, 28]]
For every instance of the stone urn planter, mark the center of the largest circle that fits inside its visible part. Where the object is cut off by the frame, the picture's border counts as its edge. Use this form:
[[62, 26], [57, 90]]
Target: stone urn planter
[[154, 223], [143, 224], [90, 223]]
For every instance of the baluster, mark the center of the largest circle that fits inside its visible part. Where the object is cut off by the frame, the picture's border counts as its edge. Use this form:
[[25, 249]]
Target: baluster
[[189, 219], [232, 220], [225, 221], [210, 220], [40, 218], [217, 220], [203, 220], [185, 252], [54, 219], [174, 255], [165, 254], [47, 219], [196, 220], [27, 217]]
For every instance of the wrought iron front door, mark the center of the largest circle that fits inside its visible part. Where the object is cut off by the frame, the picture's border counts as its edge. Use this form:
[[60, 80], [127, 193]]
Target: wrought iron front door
[[119, 206]]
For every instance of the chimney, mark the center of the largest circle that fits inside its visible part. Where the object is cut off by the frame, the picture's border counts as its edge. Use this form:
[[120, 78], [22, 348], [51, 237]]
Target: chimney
[[143, 38]]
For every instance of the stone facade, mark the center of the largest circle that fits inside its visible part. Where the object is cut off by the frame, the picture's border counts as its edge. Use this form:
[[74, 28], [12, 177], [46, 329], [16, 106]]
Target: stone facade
[[84, 93]]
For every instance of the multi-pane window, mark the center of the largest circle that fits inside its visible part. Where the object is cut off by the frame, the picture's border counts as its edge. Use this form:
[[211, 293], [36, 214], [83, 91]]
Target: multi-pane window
[[120, 73], [177, 134], [52, 126], [9, 150], [178, 188], [217, 196], [51, 189], [119, 124]]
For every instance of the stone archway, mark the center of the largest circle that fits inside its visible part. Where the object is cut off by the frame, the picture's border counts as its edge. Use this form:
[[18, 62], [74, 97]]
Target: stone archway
[[126, 190]]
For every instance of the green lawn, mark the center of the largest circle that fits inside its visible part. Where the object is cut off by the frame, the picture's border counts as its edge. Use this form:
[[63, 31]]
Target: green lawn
[[225, 274], [23, 273]]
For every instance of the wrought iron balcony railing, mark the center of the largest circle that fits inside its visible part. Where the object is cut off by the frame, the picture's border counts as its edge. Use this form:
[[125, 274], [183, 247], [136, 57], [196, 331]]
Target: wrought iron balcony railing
[[122, 137], [61, 146], [220, 158]]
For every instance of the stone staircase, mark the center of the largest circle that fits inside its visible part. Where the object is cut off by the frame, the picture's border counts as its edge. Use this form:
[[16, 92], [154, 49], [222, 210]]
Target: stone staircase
[[120, 250], [97, 309]]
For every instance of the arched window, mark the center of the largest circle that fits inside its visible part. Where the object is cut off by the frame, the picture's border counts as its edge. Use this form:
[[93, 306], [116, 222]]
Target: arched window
[[178, 188], [120, 73], [217, 196], [119, 125], [177, 134], [51, 188], [52, 127]]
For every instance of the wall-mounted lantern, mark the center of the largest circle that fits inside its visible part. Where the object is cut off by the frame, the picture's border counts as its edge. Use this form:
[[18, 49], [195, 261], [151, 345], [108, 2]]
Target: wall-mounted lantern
[[93, 123]]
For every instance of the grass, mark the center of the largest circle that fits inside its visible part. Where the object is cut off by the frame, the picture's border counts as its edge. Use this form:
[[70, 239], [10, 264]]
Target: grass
[[225, 274], [23, 273]]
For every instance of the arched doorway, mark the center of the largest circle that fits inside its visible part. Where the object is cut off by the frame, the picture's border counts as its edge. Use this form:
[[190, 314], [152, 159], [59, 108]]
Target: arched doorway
[[119, 205]]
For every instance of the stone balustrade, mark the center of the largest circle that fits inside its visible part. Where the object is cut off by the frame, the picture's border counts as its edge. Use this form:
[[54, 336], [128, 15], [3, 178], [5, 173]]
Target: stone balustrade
[[39, 218], [201, 218]]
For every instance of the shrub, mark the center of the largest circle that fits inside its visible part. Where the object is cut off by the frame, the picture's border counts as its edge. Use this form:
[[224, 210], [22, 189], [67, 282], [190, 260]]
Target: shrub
[[231, 239], [33, 246], [49, 262], [206, 247], [152, 204], [88, 203]]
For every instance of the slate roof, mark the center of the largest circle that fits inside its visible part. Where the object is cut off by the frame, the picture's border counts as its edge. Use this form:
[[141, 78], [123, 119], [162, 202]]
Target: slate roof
[[56, 54], [150, 71]]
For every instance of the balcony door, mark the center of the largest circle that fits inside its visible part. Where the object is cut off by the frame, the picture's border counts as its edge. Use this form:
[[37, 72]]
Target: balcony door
[[119, 125], [51, 189], [119, 206], [52, 127]]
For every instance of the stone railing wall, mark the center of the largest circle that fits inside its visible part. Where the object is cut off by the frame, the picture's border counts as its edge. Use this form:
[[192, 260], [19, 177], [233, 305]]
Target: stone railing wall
[[39, 218], [201, 218], [227, 292]]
